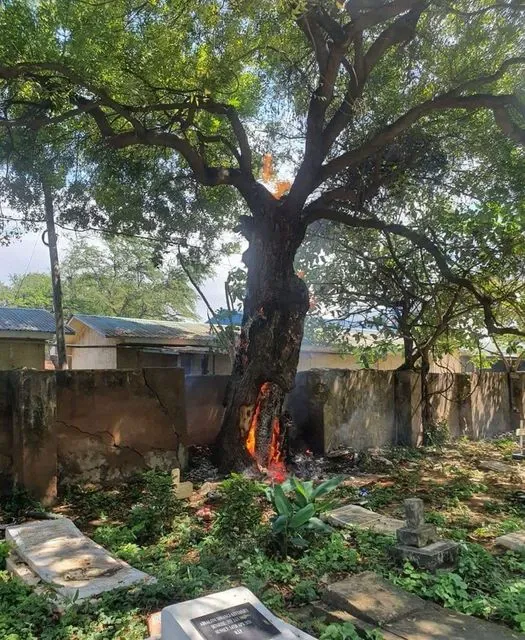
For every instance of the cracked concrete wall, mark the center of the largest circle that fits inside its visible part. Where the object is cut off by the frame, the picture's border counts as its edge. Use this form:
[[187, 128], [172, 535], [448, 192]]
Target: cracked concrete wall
[[6, 435], [113, 423]]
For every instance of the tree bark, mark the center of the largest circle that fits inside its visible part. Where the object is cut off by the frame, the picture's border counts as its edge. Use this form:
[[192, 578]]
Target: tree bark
[[55, 275], [267, 354]]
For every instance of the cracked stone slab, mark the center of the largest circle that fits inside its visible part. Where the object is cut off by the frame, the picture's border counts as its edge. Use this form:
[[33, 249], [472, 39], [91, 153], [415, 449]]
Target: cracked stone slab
[[435, 623], [514, 541], [61, 555], [355, 516], [372, 598], [497, 466]]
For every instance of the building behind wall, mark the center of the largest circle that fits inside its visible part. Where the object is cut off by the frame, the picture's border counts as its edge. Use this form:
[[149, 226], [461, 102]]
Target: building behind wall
[[24, 337]]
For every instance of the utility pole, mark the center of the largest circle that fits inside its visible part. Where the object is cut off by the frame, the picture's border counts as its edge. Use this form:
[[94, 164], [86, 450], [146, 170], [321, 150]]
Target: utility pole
[[51, 243]]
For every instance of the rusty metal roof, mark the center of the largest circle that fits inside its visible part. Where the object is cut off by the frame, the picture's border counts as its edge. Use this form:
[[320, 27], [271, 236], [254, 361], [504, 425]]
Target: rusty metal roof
[[111, 327], [20, 319]]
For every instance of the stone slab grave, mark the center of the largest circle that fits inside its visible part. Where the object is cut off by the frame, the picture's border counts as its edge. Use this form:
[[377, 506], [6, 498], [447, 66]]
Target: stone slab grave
[[57, 553], [514, 541], [235, 614], [355, 516], [368, 600]]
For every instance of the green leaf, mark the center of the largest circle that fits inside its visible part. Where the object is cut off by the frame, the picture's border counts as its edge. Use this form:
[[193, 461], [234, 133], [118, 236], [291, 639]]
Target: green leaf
[[281, 502], [279, 524], [327, 486], [318, 525], [302, 516]]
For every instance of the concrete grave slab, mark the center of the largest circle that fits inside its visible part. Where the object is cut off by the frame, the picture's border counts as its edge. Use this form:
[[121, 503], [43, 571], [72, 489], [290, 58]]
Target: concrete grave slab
[[61, 555], [495, 465], [17, 568], [371, 598], [330, 614], [513, 541], [235, 614], [355, 516], [436, 623]]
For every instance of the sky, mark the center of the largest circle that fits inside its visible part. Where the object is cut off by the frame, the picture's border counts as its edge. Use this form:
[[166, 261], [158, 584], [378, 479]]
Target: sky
[[29, 254]]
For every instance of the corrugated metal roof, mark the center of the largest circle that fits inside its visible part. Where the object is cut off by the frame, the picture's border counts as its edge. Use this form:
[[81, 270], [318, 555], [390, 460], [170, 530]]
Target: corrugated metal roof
[[39, 320], [111, 327]]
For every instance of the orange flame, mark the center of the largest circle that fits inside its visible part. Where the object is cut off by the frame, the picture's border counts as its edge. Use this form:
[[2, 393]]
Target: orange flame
[[267, 167], [276, 467]]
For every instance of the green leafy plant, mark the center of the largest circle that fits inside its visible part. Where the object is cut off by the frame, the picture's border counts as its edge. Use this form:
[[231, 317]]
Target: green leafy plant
[[347, 631], [299, 512], [241, 511]]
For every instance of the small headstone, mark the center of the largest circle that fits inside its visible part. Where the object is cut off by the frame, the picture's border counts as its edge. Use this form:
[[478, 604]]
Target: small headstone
[[417, 533], [414, 512], [513, 541], [61, 555], [181, 490], [372, 598], [418, 541], [235, 614]]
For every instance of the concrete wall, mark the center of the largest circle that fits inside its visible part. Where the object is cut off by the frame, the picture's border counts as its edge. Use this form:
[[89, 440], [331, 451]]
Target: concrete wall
[[16, 354], [6, 434], [113, 423], [335, 408], [204, 407], [88, 426]]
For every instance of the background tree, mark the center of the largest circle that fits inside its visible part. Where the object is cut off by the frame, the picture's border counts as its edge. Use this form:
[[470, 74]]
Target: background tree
[[356, 98], [117, 277]]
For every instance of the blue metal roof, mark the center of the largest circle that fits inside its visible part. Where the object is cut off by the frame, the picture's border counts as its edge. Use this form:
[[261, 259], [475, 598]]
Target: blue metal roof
[[20, 319], [112, 327]]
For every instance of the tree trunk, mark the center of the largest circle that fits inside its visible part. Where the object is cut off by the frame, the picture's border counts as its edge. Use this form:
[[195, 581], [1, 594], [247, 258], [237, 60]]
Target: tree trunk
[[267, 354], [426, 409], [55, 276]]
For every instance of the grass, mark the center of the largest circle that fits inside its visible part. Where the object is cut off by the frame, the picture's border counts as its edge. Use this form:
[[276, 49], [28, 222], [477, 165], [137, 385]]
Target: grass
[[200, 546]]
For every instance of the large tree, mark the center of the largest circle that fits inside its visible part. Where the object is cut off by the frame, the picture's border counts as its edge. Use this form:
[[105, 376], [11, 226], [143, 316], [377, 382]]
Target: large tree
[[352, 98]]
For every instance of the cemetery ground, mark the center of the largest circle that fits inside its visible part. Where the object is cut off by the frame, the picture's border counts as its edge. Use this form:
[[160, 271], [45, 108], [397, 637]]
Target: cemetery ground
[[222, 537]]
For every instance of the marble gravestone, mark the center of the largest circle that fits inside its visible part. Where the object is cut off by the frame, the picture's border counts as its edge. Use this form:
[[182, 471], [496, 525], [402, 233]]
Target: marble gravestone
[[235, 614]]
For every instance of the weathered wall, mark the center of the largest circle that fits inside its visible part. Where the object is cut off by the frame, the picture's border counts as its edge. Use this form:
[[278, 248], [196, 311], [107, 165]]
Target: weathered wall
[[204, 407], [33, 406], [490, 403], [16, 354], [6, 434], [338, 408], [113, 423]]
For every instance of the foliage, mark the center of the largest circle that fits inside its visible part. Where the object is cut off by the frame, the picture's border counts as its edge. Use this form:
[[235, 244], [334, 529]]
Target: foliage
[[118, 277], [298, 514], [241, 511], [347, 631], [191, 556]]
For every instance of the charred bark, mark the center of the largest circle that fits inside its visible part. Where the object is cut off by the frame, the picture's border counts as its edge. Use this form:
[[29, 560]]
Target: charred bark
[[267, 355]]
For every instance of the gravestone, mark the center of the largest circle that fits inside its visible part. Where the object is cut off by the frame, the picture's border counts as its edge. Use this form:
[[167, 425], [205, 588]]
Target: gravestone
[[521, 435], [418, 541], [355, 516], [235, 614], [59, 554]]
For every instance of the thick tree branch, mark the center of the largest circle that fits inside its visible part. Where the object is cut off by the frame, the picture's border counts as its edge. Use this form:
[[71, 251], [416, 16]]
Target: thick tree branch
[[498, 104], [485, 301]]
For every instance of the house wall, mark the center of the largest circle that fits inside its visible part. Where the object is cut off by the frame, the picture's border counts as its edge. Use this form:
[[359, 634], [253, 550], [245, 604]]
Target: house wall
[[6, 434], [87, 349], [18, 353]]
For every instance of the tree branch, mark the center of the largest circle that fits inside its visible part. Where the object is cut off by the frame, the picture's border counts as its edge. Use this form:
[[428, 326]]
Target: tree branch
[[428, 245]]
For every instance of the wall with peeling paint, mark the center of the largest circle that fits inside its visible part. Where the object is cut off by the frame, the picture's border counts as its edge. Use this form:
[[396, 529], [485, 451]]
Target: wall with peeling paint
[[89, 426], [113, 423]]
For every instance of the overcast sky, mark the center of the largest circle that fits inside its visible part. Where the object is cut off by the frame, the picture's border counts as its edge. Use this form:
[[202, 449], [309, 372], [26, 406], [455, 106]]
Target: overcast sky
[[29, 254]]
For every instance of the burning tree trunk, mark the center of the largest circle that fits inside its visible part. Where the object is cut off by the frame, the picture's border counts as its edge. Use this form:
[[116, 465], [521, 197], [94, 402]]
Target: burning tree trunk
[[268, 352]]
